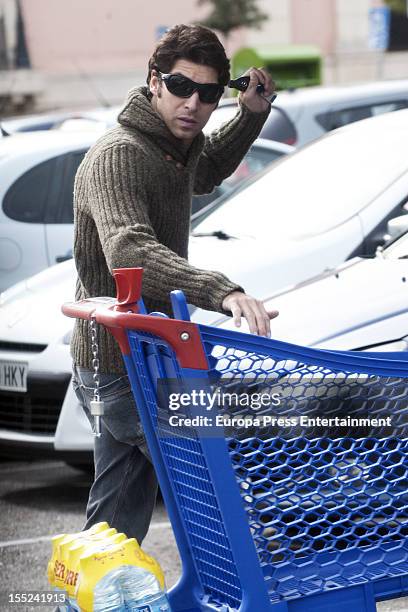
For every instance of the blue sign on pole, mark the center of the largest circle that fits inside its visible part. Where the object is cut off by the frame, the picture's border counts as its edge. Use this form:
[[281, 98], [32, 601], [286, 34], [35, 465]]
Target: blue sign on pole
[[160, 31], [379, 32]]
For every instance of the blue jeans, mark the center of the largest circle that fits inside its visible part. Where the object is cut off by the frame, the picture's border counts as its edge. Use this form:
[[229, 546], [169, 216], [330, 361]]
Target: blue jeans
[[125, 486]]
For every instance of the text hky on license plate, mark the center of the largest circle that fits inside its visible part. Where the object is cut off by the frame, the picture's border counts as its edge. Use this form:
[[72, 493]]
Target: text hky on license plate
[[13, 376]]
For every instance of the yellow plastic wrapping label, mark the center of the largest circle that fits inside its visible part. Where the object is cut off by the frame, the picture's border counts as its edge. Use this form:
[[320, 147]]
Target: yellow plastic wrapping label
[[51, 563], [94, 566], [63, 574], [56, 569], [81, 547]]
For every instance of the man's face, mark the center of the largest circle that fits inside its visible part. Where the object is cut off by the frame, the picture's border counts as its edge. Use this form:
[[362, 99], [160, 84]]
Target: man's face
[[185, 117]]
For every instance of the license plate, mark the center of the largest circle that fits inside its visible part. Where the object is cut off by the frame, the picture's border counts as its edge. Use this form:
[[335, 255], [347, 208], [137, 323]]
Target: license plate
[[13, 376]]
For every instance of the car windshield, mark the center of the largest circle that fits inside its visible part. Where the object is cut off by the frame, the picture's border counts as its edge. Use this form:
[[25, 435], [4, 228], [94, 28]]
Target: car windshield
[[317, 188], [254, 161]]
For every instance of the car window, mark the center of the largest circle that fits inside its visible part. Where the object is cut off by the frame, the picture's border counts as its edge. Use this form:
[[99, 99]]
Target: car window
[[279, 127], [388, 107], [255, 160], [71, 165], [40, 127], [26, 199], [332, 120]]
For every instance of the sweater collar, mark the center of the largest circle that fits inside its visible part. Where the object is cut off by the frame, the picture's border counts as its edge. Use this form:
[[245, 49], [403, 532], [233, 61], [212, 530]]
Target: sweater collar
[[138, 113]]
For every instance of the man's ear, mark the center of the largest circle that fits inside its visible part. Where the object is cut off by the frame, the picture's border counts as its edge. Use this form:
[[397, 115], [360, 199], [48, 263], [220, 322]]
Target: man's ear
[[154, 84]]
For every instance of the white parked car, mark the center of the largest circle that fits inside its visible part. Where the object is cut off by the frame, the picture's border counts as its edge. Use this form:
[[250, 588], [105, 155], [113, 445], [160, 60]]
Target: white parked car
[[37, 172], [297, 117], [338, 197], [59, 119], [360, 305], [35, 370], [302, 115]]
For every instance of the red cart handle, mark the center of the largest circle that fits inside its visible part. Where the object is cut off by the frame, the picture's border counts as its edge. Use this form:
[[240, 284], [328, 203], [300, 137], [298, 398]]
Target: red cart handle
[[128, 285], [122, 314]]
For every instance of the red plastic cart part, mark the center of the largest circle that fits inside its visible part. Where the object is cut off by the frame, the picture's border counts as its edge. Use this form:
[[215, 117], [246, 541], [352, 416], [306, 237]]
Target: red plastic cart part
[[128, 285], [183, 336]]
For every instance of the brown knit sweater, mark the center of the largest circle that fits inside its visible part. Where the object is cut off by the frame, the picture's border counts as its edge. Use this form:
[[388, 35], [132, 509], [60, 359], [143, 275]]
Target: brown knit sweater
[[132, 204]]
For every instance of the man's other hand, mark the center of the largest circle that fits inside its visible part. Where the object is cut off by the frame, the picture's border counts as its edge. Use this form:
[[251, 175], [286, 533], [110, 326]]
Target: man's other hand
[[242, 305], [254, 101]]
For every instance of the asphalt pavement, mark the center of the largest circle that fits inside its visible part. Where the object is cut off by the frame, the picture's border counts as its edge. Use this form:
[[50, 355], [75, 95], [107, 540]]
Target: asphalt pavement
[[41, 499]]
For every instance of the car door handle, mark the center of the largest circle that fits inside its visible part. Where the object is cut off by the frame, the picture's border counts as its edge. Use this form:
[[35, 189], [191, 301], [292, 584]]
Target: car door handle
[[61, 258]]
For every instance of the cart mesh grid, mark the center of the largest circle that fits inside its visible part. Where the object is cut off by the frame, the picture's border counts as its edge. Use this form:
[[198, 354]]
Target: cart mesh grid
[[189, 473], [325, 511]]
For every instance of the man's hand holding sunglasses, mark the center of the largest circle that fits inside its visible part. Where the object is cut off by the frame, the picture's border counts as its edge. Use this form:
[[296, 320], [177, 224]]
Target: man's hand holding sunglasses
[[256, 102]]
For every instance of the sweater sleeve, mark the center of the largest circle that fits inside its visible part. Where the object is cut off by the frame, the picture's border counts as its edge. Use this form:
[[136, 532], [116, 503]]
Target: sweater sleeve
[[224, 148], [118, 205]]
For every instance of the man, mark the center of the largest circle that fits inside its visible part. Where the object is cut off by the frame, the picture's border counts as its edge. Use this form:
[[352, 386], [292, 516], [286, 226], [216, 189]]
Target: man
[[132, 206]]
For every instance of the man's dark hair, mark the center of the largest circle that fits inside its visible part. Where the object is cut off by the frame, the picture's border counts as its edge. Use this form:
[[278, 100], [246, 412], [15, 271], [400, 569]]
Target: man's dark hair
[[190, 42]]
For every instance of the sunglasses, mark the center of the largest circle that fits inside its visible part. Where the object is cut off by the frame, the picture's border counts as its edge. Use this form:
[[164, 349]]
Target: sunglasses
[[183, 87]]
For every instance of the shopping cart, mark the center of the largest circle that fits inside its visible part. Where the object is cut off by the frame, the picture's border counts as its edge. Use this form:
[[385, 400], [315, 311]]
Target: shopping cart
[[269, 519]]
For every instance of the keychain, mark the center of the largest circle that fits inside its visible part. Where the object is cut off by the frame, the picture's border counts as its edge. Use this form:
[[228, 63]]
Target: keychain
[[242, 82], [97, 404]]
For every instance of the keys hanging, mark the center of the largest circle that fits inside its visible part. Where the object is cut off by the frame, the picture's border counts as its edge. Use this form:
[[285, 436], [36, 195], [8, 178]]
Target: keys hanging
[[97, 405], [97, 410]]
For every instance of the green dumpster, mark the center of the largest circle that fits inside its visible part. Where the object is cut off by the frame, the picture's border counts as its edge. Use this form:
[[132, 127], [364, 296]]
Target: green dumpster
[[291, 66]]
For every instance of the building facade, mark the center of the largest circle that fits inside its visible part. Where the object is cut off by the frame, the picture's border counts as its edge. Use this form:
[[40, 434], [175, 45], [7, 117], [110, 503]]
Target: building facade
[[87, 52]]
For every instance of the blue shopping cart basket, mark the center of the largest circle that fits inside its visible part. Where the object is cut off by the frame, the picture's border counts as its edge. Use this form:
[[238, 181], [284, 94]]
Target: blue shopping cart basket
[[270, 519]]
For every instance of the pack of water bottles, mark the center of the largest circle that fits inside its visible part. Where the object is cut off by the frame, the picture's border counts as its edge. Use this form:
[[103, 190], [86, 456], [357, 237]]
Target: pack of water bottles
[[103, 570]]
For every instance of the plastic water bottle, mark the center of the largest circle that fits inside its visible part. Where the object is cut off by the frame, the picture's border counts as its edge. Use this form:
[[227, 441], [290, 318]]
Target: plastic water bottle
[[108, 593], [141, 591], [128, 588], [63, 607], [72, 605]]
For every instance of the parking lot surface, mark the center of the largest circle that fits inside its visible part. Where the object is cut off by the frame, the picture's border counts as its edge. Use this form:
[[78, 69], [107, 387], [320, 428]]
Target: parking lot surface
[[41, 499]]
